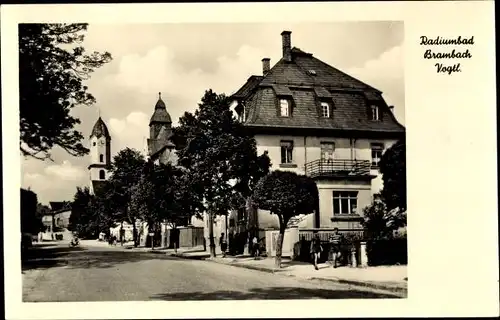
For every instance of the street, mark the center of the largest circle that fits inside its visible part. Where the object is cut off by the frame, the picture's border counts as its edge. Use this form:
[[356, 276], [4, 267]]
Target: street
[[59, 273]]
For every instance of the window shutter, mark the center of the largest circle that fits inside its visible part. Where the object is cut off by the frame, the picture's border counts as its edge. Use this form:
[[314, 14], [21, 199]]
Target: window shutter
[[368, 112]]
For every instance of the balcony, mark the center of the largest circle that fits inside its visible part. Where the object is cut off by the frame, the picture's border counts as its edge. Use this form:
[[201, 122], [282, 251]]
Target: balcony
[[338, 168]]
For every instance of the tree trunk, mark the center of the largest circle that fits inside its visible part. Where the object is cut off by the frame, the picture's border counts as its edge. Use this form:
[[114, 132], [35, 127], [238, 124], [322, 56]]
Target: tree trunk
[[122, 234], [176, 237], [152, 236], [211, 235], [134, 233], [279, 245]]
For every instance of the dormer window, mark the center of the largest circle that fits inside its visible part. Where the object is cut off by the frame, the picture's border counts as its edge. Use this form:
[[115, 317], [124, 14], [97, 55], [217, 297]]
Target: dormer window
[[325, 110], [284, 107], [240, 111], [374, 115]]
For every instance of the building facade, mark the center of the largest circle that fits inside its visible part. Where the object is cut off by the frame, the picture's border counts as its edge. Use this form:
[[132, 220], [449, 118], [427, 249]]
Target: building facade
[[100, 155], [313, 119]]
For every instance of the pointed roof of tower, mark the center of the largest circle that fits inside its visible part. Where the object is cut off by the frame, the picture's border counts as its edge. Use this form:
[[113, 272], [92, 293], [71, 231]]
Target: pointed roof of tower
[[100, 129], [160, 114]]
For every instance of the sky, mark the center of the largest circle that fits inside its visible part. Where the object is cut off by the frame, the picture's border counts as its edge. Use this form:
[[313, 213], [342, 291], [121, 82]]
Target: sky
[[183, 60]]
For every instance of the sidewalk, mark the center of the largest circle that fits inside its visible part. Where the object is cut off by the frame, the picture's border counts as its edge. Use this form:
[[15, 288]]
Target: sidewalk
[[390, 278]]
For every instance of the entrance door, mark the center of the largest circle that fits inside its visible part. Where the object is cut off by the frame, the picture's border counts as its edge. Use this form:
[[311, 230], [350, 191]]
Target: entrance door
[[327, 151]]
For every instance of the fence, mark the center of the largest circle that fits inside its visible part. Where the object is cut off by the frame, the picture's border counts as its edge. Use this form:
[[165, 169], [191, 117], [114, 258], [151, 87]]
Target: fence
[[329, 168], [324, 234]]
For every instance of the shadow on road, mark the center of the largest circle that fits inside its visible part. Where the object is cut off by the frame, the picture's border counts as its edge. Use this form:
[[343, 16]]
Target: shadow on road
[[78, 257], [274, 293]]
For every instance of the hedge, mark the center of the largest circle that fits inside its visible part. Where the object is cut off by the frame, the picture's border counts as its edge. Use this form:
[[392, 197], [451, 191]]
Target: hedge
[[387, 251]]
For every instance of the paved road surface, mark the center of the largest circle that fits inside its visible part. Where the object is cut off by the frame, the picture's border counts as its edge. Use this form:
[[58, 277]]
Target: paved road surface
[[59, 273]]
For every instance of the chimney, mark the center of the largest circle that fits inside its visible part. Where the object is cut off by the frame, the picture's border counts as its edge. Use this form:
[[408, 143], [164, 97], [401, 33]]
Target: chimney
[[287, 45], [266, 66]]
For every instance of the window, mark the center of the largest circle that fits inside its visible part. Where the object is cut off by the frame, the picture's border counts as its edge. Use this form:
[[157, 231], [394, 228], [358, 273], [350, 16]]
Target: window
[[374, 113], [345, 202], [286, 151], [325, 109], [240, 111], [101, 158], [377, 150], [93, 143], [327, 151], [284, 108], [102, 175]]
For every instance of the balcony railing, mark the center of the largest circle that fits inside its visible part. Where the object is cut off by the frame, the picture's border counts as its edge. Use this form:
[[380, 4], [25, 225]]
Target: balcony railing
[[337, 168]]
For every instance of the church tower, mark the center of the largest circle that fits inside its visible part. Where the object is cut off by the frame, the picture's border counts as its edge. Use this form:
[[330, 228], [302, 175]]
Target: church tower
[[100, 154], [160, 147]]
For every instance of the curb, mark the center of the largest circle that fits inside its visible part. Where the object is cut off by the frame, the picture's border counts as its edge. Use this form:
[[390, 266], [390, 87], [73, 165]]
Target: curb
[[371, 285]]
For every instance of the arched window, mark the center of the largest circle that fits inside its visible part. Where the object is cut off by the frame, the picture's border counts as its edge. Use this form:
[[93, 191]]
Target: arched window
[[101, 158], [102, 175]]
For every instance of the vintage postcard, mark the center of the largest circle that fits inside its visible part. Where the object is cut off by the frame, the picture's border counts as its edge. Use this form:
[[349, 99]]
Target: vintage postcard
[[209, 160]]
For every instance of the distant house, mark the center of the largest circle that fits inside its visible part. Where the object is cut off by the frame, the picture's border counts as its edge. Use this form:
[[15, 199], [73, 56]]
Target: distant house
[[314, 119], [56, 220]]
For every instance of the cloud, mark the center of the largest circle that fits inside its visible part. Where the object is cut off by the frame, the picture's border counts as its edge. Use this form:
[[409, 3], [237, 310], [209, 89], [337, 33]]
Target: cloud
[[66, 171], [130, 132], [386, 74], [56, 182]]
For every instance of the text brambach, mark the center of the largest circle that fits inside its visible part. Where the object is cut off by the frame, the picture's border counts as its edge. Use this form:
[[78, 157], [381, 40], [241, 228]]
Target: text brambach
[[447, 55]]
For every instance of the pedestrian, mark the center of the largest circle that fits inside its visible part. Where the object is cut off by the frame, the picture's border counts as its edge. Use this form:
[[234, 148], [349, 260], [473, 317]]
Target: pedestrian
[[316, 250], [335, 241], [223, 244], [256, 249]]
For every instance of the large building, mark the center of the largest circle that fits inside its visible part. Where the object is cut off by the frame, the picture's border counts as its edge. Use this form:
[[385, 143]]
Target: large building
[[316, 120]]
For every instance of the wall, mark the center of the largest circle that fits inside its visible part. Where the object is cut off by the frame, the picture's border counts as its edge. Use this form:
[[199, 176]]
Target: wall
[[326, 188], [62, 219], [218, 227], [290, 238], [94, 173]]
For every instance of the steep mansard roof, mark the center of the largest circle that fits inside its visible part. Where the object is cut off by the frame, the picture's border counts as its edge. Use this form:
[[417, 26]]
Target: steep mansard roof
[[307, 80]]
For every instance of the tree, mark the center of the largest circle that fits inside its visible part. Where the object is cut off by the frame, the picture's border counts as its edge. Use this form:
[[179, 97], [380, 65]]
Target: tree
[[393, 169], [285, 194], [30, 222], [126, 171], [52, 67], [220, 156], [83, 218]]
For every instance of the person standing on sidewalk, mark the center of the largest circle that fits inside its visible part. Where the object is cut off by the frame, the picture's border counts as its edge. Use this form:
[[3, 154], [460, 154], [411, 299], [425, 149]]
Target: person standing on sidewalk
[[256, 249], [335, 242], [316, 250], [223, 244]]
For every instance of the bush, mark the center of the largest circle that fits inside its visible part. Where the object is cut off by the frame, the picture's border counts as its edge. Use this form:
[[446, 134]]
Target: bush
[[387, 251]]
